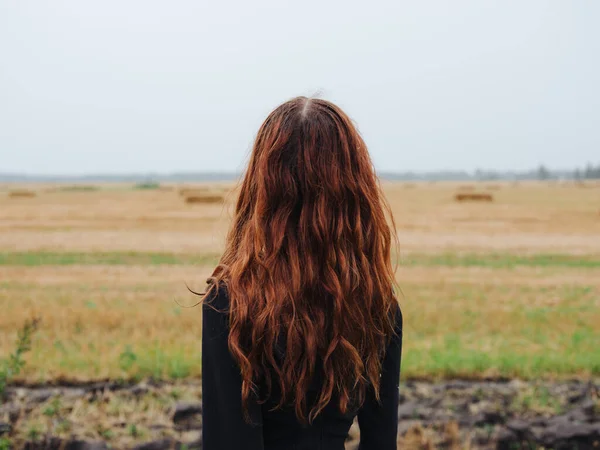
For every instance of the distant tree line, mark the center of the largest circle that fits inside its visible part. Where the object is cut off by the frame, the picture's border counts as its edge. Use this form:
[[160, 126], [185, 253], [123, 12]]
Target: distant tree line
[[588, 172]]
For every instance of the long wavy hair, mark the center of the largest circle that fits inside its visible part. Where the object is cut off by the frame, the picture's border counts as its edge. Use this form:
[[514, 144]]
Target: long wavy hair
[[307, 262]]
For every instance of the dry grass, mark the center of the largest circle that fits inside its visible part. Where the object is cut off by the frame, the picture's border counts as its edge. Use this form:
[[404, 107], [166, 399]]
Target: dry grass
[[528, 218], [517, 303], [125, 321]]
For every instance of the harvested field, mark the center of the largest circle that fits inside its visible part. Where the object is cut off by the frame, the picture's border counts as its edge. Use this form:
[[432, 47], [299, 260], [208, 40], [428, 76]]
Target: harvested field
[[507, 289], [497, 280]]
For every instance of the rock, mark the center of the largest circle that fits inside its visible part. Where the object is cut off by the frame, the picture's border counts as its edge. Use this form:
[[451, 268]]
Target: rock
[[504, 390], [439, 415], [86, 445], [578, 416], [588, 407], [493, 418], [405, 425], [59, 444], [161, 444], [191, 440], [41, 395], [97, 388], [517, 385], [169, 444], [580, 436], [191, 436], [482, 436], [72, 393], [10, 412], [184, 410], [4, 428], [507, 440], [423, 390], [518, 426], [476, 420], [138, 389], [458, 384], [197, 445], [18, 393], [408, 410], [44, 444]]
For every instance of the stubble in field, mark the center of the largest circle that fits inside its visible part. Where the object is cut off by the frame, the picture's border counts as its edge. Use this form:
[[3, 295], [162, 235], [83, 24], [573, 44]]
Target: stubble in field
[[507, 288]]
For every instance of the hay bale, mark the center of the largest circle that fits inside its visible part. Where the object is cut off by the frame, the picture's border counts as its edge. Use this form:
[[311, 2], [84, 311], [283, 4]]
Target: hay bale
[[204, 198], [466, 187], [409, 185], [474, 197], [21, 193]]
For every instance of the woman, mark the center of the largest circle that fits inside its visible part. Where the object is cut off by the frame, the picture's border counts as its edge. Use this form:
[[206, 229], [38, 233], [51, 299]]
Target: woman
[[301, 329]]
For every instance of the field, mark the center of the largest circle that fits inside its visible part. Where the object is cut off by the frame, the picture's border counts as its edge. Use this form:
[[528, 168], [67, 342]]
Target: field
[[509, 288]]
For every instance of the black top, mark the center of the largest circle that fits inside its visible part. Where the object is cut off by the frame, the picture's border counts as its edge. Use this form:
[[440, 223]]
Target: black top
[[223, 424]]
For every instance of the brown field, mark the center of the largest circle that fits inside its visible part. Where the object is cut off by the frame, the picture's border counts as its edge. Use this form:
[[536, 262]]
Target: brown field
[[503, 288]]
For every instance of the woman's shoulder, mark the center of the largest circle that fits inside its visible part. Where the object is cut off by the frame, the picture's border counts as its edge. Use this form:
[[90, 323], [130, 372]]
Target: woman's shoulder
[[217, 298], [398, 320]]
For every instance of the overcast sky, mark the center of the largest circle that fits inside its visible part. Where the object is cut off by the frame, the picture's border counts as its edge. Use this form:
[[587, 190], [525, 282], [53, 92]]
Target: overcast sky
[[119, 86]]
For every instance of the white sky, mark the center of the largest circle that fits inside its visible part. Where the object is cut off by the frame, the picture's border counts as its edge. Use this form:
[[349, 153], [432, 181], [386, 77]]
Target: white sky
[[119, 86]]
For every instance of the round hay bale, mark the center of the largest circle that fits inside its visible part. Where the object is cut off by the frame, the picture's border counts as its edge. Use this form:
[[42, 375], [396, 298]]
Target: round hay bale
[[474, 197], [21, 193], [204, 198]]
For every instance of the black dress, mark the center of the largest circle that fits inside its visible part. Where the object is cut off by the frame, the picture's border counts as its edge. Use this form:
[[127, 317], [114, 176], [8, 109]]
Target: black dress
[[223, 424]]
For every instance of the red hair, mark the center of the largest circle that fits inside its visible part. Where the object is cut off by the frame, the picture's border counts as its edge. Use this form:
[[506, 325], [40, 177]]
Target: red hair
[[307, 262]]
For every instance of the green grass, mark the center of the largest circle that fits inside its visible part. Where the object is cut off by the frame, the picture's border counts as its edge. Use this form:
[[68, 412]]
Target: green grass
[[504, 260], [488, 260], [78, 188], [468, 330], [103, 258], [149, 185]]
